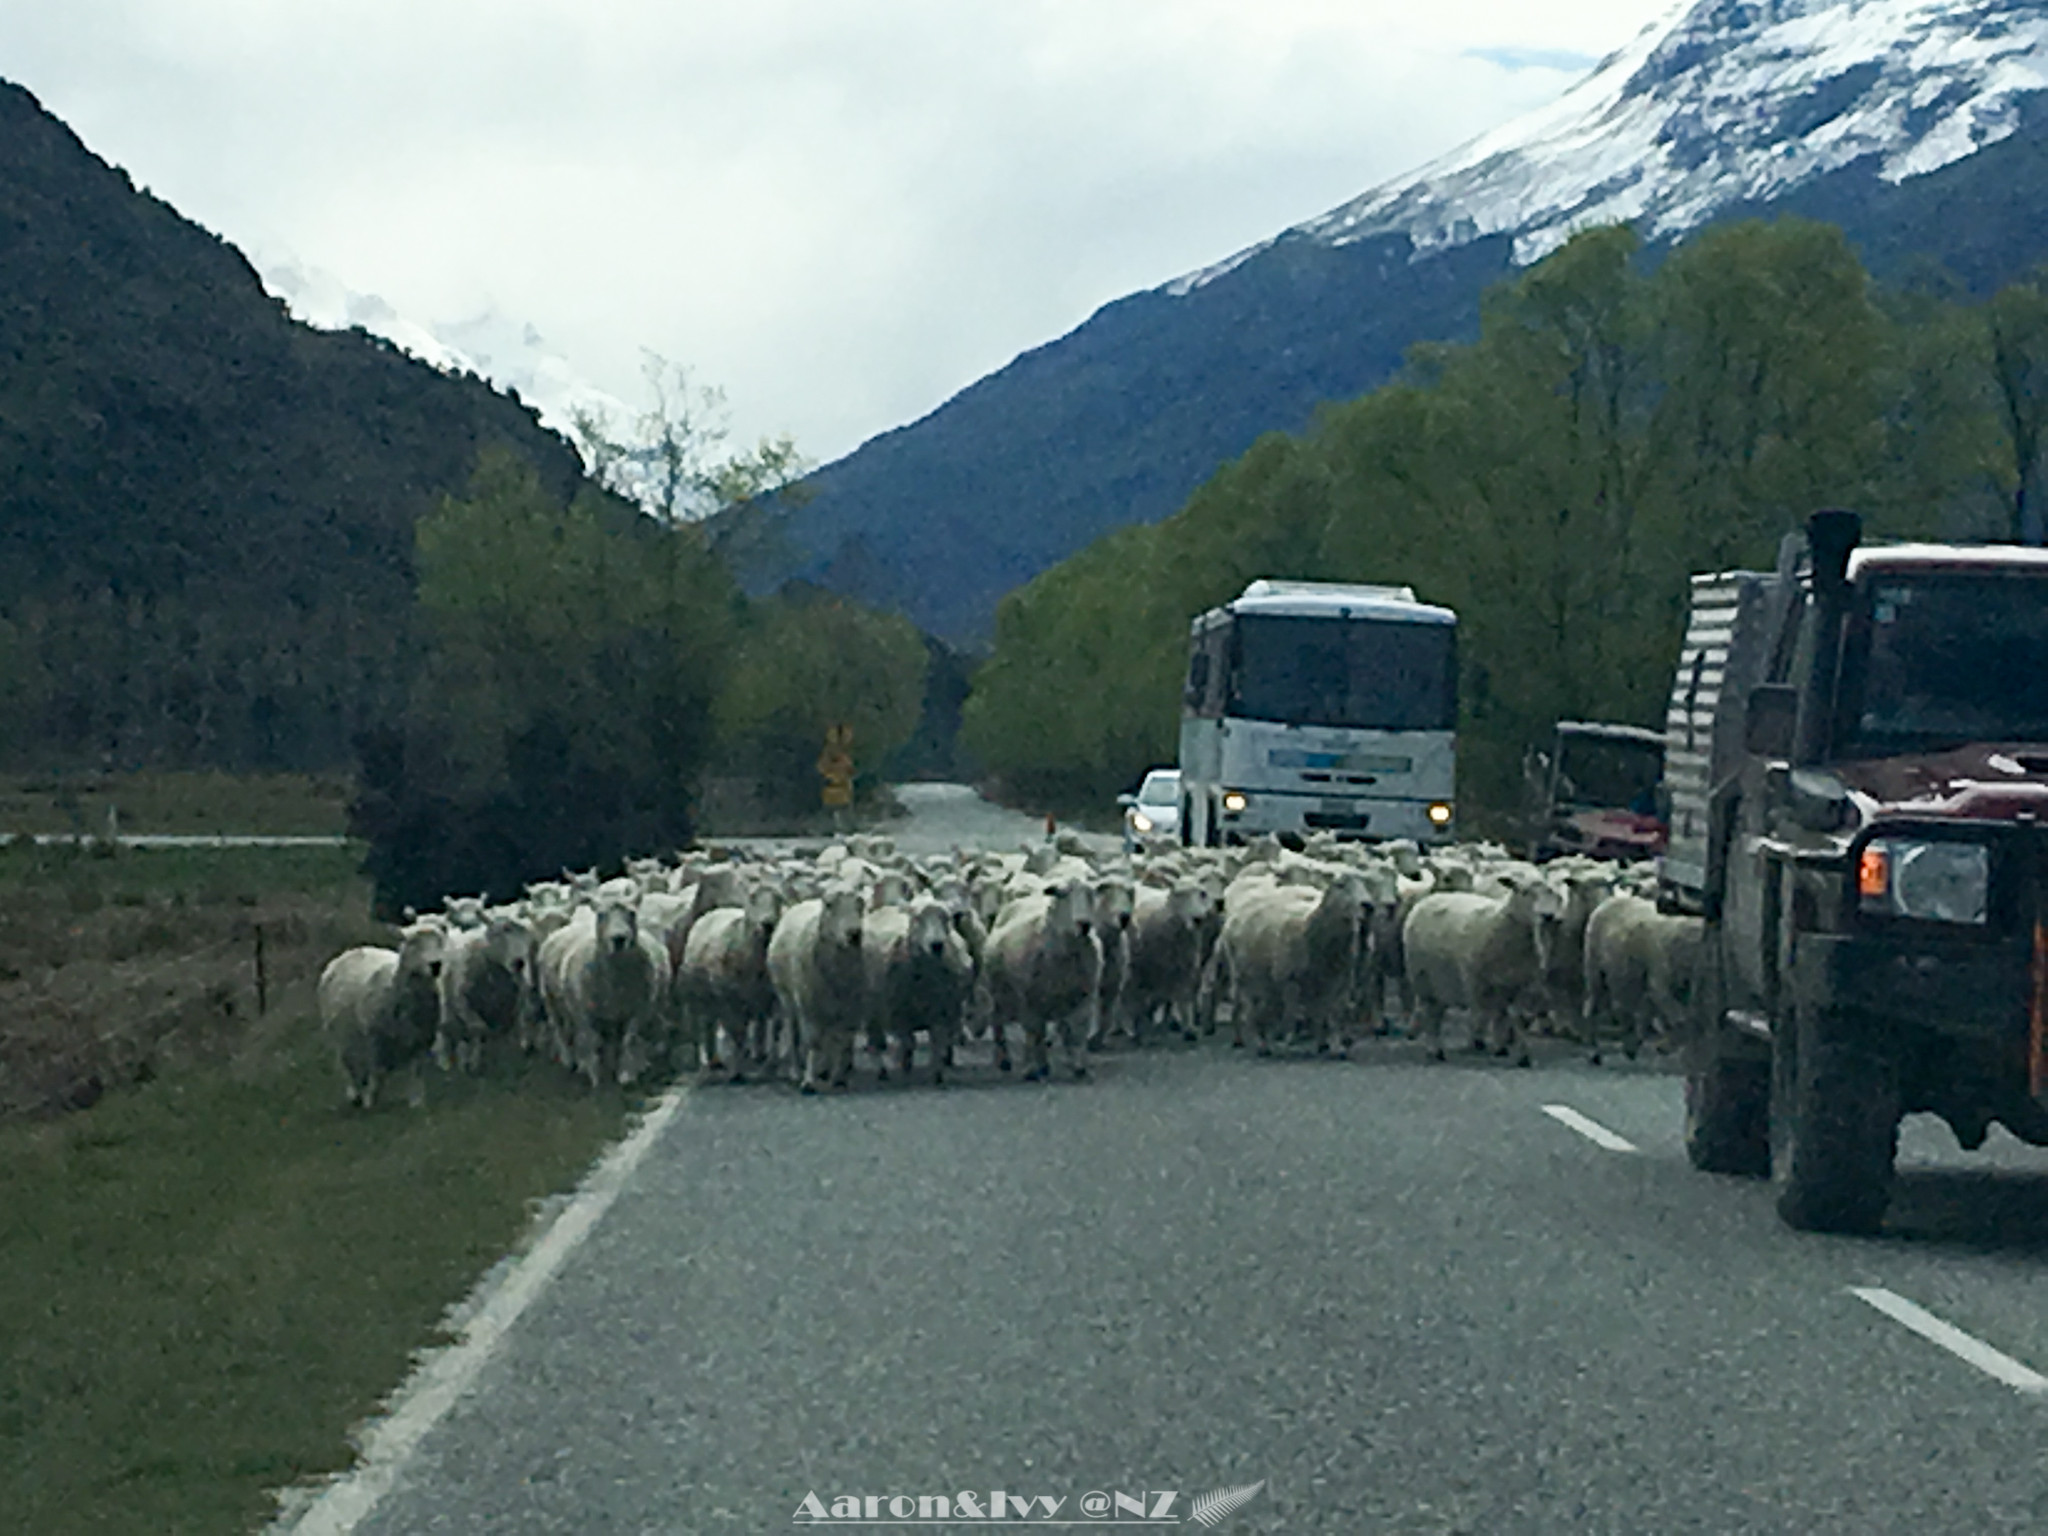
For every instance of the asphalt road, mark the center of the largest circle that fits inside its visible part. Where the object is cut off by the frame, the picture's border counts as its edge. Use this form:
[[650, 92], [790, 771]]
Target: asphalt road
[[1401, 1294], [1407, 1297], [943, 817]]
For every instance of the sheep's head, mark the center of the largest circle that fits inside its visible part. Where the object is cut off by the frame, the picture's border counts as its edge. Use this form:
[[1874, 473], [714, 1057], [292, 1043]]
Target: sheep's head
[[1542, 905], [508, 942], [839, 921], [1073, 908], [764, 908], [618, 927], [422, 950], [1114, 901], [931, 929], [1192, 903]]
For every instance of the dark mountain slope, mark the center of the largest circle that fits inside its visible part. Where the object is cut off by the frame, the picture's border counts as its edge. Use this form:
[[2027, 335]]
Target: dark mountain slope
[[1120, 420], [206, 509]]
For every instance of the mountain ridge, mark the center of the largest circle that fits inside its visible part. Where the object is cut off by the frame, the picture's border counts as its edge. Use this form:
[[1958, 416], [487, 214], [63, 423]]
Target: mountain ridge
[[1890, 117]]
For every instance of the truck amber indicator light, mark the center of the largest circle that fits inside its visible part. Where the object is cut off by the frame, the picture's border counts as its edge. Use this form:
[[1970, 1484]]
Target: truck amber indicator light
[[1873, 874]]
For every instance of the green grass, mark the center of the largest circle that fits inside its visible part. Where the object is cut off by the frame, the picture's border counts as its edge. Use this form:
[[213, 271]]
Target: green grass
[[205, 1282], [95, 877], [277, 804], [212, 1273]]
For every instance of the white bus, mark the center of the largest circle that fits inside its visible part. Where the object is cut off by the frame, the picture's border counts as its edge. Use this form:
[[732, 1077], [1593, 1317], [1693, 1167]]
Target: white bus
[[1311, 706]]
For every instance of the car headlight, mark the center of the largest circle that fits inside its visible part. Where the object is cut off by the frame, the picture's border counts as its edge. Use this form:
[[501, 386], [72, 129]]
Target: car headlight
[[1439, 814], [1140, 822], [1234, 802], [1934, 882]]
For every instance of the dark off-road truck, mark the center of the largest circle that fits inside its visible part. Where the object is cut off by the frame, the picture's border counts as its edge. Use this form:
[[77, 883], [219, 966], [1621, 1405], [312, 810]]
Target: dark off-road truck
[[1858, 768]]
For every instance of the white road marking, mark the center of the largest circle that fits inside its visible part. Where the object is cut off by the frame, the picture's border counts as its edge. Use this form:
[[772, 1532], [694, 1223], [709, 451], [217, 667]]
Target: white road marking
[[1592, 1130], [441, 1380], [1992, 1362]]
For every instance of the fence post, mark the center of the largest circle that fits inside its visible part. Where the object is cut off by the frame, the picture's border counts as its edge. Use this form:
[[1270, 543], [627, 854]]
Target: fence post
[[262, 976]]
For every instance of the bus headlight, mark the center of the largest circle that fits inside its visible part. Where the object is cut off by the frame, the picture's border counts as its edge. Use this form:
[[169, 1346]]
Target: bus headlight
[[1234, 802], [1439, 814], [1932, 882]]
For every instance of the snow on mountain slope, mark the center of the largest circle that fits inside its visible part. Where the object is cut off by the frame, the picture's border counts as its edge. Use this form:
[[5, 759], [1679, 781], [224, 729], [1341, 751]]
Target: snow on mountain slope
[[510, 355], [1721, 102]]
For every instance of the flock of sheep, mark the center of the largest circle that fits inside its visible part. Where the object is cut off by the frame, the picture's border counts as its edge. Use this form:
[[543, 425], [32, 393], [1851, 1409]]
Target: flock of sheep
[[741, 967]]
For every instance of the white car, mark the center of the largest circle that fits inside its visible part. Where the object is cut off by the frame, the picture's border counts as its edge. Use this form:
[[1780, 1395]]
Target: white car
[[1154, 811]]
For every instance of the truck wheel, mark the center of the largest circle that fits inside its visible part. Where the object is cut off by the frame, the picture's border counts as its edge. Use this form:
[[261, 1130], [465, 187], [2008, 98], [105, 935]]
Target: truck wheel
[[1727, 1110], [1834, 1122], [1727, 1082]]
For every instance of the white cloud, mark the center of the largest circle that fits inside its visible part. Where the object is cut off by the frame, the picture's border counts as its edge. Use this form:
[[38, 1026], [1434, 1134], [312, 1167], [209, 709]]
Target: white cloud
[[842, 212]]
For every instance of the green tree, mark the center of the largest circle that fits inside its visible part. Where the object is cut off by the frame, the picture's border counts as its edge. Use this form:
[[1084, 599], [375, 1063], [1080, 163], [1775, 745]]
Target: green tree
[[2016, 327], [805, 662]]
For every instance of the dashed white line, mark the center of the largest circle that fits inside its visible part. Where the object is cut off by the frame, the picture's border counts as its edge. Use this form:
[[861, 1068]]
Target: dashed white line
[[1994, 1363], [443, 1379], [1592, 1130]]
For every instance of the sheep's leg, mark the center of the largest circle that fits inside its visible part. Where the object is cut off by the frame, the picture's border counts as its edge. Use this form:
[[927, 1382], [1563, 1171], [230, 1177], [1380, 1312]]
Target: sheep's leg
[[1428, 1016], [1036, 1059], [586, 1051], [1075, 1037]]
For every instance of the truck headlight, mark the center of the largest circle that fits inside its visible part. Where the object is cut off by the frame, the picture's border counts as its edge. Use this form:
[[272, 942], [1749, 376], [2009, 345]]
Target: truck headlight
[[1439, 814], [1140, 822], [1933, 882], [1234, 802]]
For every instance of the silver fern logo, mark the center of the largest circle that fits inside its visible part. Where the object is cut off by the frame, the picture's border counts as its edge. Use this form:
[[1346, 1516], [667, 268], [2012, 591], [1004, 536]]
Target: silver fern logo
[[1212, 1509]]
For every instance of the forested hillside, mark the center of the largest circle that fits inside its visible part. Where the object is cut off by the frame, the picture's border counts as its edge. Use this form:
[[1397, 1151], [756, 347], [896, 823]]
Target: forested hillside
[[1916, 127], [1613, 430], [206, 509]]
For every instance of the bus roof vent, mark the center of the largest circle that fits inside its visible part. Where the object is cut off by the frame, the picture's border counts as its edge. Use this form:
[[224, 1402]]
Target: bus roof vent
[[1331, 589]]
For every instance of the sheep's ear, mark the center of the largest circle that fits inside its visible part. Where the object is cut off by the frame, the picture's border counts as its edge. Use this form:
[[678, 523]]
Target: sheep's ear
[[411, 915]]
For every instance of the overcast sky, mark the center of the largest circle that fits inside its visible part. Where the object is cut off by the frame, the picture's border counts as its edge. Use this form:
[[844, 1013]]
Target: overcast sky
[[842, 211]]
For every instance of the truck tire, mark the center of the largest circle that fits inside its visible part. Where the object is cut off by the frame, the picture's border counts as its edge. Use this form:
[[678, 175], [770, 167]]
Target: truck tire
[[1727, 1110], [1835, 1113], [1727, 1084]]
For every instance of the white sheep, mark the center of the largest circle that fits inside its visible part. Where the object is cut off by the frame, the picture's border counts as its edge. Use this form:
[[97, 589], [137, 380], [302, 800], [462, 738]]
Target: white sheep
[[1045, 972], [1485, 953], [1169, 940], [919, 977], [381, 1008], [1639, 967], [487, 988], [1290, 959], [1115, 903], [603, 982], [814, 962], [723, 982]]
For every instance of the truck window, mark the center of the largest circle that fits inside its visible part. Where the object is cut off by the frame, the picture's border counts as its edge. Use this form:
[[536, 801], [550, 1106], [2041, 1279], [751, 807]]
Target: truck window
[[1940, 659], [1337, 672]]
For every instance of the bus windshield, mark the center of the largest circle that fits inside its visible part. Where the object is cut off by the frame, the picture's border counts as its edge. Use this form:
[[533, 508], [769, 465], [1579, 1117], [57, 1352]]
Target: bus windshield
[[1362, 673], [1937, 660]]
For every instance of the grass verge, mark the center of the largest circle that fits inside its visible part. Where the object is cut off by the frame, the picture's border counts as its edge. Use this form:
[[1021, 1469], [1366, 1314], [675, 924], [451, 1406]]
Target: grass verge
[[208, 1281], [209, 1276], [276, 804]]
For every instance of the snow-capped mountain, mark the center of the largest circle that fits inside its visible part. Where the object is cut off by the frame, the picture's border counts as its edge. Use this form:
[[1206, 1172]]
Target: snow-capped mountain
[[512, 356], [1721, 103]]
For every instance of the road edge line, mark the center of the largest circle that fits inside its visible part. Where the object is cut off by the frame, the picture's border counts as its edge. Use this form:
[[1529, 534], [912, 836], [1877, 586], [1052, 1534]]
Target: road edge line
[[443, 1376]]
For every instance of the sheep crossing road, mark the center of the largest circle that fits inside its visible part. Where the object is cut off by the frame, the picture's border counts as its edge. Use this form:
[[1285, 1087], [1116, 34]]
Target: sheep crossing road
[[1409, 1296]]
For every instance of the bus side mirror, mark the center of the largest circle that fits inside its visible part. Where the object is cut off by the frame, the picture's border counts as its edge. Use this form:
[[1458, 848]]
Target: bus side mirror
[[1769, 723]]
